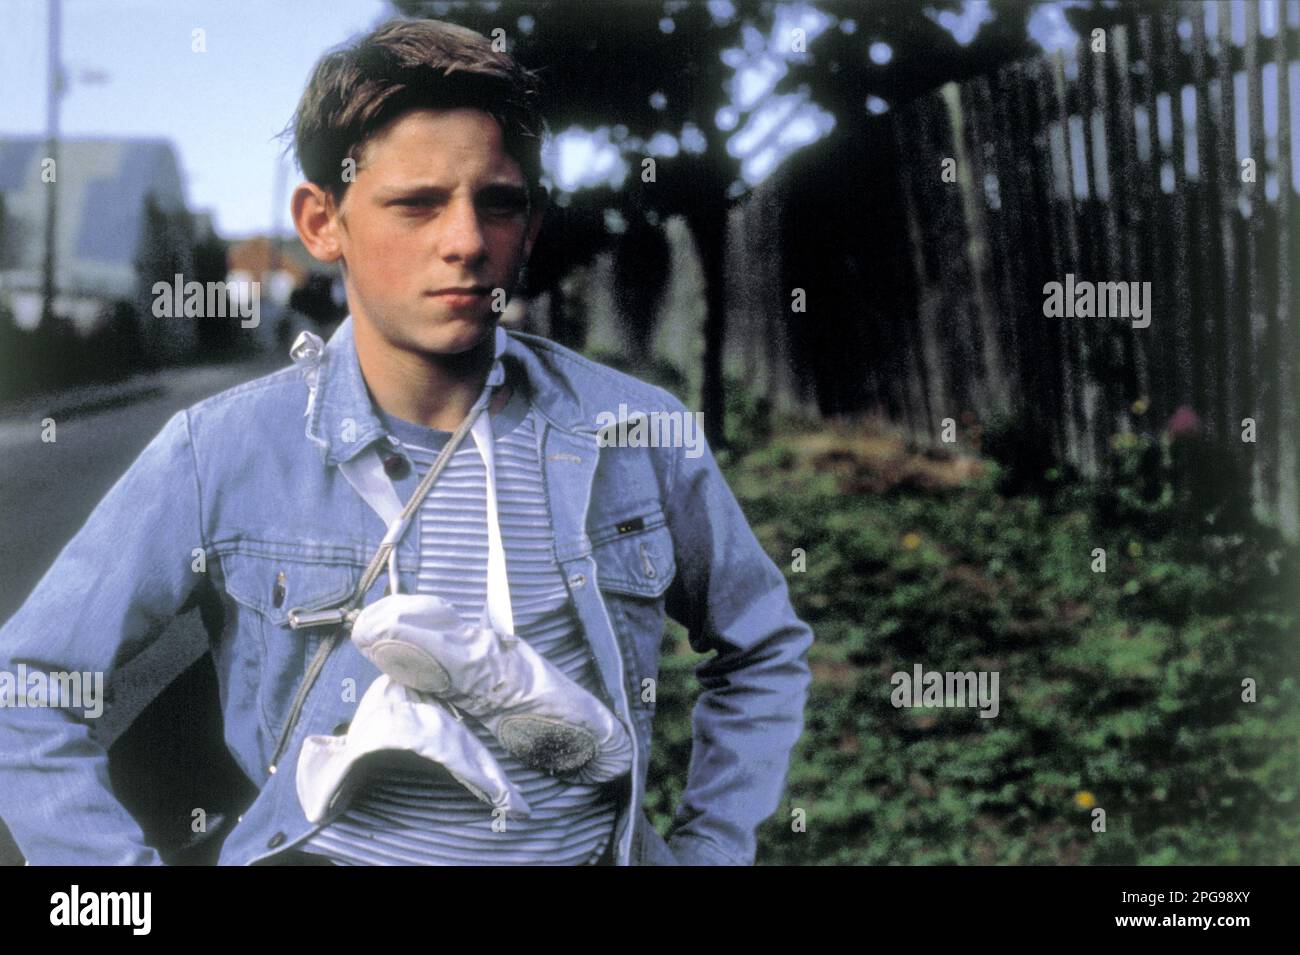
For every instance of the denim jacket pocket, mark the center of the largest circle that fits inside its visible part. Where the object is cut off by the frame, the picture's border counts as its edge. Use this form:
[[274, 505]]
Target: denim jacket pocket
[[634, 567], [267, 584]]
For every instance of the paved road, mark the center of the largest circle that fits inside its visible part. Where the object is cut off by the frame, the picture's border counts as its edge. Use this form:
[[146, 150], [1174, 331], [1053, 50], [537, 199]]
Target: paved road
[[46, 492]]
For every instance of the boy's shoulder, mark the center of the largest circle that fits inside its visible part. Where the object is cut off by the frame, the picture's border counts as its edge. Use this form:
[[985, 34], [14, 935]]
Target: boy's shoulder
[[255, 401], [551, 369], [597, 386]]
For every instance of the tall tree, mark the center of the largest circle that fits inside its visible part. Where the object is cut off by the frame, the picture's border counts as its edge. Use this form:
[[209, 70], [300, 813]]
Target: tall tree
[[653, 67]]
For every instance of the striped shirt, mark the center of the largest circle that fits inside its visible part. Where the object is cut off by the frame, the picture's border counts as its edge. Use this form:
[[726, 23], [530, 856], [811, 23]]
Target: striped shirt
[[412, 812]]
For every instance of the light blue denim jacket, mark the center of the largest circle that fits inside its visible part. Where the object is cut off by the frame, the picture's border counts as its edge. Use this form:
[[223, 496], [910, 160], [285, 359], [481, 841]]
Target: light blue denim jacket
[[239, 499]]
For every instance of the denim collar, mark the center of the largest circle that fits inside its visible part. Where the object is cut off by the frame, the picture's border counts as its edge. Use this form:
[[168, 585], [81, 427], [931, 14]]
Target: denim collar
[[341, 418]]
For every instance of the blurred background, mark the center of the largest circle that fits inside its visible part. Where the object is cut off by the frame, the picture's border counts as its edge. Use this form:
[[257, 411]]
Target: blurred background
[[828, 226]]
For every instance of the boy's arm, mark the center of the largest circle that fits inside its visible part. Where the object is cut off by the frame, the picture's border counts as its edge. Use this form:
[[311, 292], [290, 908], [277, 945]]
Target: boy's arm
[[732, 598], [112, 589]]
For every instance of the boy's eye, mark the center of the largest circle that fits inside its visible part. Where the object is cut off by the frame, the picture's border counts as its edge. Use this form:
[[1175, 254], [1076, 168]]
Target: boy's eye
[[491, 207], [503, 207], [494, 207]]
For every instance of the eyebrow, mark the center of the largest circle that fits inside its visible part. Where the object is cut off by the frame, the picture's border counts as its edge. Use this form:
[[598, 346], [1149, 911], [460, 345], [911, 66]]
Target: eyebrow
[[503, 189]]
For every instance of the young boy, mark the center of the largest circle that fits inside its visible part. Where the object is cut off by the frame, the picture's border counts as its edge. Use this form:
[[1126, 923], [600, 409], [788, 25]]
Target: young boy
[[421, 151]]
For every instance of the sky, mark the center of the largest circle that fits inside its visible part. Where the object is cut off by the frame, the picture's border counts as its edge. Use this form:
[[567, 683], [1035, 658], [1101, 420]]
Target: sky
[[134, 72], [221, 108]]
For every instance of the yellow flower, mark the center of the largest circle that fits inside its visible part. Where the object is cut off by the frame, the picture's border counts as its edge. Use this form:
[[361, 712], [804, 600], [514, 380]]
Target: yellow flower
[[1141, 405], [1085, 800], [911, 540]]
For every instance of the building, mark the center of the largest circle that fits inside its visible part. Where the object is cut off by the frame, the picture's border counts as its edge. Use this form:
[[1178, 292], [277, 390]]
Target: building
[[122, 224]]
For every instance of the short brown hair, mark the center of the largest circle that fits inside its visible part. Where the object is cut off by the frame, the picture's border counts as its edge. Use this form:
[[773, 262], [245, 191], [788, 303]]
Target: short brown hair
[[412, 64]]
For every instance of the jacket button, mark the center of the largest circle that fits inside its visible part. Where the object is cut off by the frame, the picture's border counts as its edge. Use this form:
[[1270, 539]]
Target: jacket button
[[577, 580], [396, 466], [275, 840], [277, 595], [340, 729]]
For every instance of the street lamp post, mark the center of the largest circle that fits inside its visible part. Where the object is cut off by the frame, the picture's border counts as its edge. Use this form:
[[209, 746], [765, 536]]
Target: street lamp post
[[54, 67], [58, 83]]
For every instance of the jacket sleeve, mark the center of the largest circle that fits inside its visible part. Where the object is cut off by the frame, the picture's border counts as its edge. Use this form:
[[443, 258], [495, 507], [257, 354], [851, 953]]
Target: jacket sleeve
[[113, 588], [733, 600]]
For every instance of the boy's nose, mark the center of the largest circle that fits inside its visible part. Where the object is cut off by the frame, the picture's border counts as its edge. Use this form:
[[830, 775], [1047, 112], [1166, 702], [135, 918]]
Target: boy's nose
[[462, 233]]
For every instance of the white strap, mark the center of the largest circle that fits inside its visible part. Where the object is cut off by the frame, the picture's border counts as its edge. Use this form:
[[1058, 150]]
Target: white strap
[[366, 474], [497, 612], [368, 478]]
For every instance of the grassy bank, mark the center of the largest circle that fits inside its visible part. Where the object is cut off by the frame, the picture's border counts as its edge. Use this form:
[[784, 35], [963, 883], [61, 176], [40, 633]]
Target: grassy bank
[[1120, 690]]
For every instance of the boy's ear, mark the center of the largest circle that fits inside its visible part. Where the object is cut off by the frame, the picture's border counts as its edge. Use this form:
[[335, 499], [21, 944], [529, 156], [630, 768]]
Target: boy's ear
[[316, 218]]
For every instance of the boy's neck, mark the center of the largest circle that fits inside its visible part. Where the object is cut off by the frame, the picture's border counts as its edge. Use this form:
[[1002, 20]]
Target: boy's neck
[[436, 391]]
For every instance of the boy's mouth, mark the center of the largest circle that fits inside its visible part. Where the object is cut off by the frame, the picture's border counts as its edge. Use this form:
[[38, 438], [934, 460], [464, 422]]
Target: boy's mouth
[[460, 290], [460, 296]]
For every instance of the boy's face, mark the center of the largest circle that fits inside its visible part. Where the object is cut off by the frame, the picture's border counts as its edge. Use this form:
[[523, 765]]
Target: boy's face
[[436, 204]]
